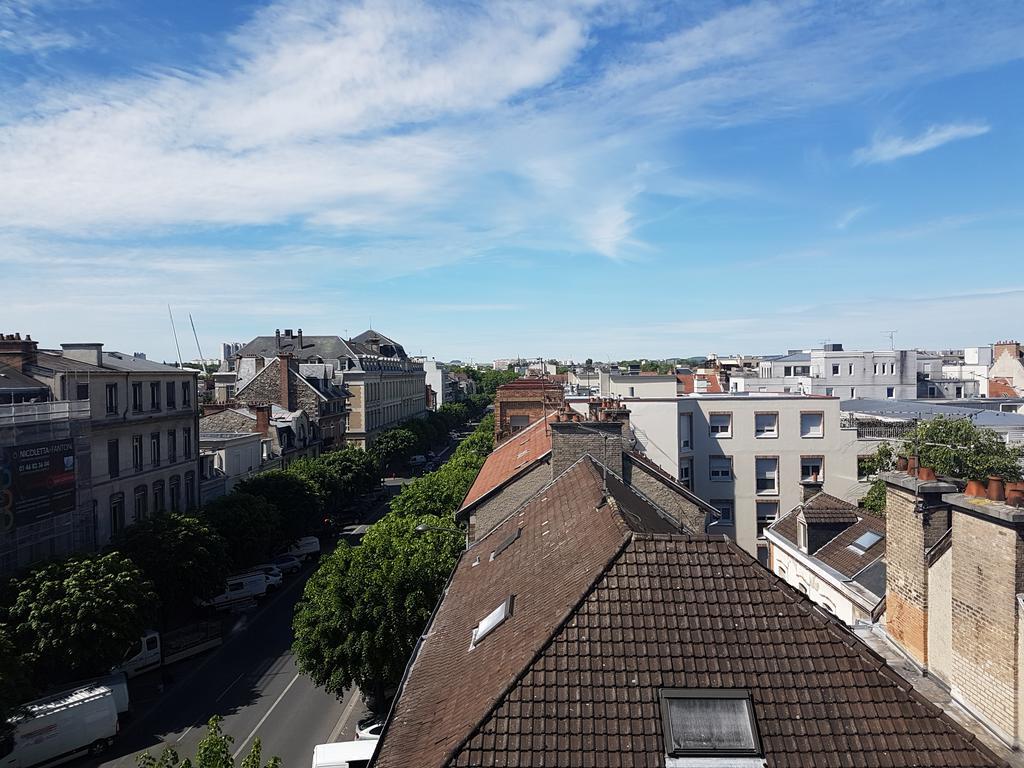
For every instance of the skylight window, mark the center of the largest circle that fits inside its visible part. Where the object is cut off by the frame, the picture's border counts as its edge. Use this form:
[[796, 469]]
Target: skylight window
[[508, 542], [865, 542], [709, 723], [492, 621]]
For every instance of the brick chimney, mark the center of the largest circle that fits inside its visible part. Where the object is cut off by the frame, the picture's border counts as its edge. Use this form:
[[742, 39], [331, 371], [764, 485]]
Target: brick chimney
[[1011, 348], [603, 437], [16, 351], [284, 398], [916, 517], [811, 488], [263, 418]]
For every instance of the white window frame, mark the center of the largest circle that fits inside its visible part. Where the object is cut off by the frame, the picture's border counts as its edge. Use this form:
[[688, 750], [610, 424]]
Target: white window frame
[[712, 427], [769, 475], [808, 435], [721, 478], [774, 433], [835, 369], [726, 517], [821, 468]]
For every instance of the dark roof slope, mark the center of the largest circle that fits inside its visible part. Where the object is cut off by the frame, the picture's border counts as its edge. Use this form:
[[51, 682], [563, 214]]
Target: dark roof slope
[[825, 508], [838, 555], [325, 347], [605, 615], [12, 378]]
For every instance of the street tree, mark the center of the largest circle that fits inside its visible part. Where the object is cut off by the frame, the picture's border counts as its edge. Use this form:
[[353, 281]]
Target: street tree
[[394, 446], [213, 751], [491, 380], [75, 618], [364, 608], [182, 555], [249, 524], [294, 497]]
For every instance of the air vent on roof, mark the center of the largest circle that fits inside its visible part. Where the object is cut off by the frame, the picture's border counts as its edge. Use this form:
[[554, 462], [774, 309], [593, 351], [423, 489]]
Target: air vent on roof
[[508, 542], [865, 542], [492, 621]]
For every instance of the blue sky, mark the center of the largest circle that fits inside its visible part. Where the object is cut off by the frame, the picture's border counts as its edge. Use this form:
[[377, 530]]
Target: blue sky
[[568, 179]]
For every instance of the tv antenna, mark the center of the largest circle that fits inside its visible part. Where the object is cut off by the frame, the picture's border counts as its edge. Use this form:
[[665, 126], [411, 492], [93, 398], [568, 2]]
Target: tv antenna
[[892, 338]]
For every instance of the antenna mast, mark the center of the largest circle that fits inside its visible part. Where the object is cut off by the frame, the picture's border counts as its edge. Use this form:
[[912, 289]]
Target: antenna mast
[[178, 348], [892, 338]]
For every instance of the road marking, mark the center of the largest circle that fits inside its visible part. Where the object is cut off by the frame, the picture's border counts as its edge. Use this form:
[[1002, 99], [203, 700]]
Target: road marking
[[344, 716], [240, 676], [185, 733], [264, 718]]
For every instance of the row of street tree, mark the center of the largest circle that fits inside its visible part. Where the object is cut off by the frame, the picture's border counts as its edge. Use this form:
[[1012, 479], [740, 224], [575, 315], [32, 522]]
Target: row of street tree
[[75, 618]]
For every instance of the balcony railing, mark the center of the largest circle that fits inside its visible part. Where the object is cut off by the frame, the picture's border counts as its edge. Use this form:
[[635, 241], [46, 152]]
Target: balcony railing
[[871, 429], [29, 413]]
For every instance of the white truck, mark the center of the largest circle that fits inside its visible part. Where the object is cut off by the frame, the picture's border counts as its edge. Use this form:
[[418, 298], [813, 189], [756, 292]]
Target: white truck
[[60, 727], [305, 548], [344, 754], [239, 592], [154, 650]]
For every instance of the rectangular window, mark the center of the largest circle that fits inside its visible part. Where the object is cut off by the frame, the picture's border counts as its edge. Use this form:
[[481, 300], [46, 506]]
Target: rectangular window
[[113, 458], [175, 491], [876, 369], [721, 424], [853, 391], [715, 723], [137, 396], [812, 469], [767, 512], [158, 497], [116, 513], [82, 391], [890, 392], [154, 448], [172, 446], [686, 472], [111, 398], [835, 370], [721, 468], [812, 424], [186, 442], [186, 394], [851, 369], [787, 370], [892, 369], [801, 534], [141, 499], [137, 460], [829, 391], [766, 470], [766, 425], [171, 399], [725, 510], [154, 395]]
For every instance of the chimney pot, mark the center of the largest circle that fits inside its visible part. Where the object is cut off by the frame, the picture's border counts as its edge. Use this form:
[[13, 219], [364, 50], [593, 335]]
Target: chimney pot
[[926, 474], [996, 490]]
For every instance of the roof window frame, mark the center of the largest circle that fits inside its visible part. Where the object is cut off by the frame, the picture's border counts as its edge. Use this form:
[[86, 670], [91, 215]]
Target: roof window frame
[[666, 695]]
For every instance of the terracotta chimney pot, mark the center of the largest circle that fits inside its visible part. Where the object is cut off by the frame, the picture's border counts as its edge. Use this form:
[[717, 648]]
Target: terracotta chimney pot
[[996, 489], [926, 474], [976, 488]]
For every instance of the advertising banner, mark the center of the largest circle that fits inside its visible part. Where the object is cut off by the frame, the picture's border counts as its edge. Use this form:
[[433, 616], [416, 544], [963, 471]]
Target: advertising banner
[[36, 481]]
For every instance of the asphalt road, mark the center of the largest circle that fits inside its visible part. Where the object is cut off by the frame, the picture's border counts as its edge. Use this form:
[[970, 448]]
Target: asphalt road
[[251, 681]]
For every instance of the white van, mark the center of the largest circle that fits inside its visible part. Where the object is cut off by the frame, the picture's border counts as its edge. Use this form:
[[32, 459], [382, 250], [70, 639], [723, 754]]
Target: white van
[[238, 590], [344, 754], [304, 548], [61, 727]]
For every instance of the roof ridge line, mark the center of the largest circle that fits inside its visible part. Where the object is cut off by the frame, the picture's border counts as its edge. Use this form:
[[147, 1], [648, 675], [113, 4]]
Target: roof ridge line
[[555, 631]]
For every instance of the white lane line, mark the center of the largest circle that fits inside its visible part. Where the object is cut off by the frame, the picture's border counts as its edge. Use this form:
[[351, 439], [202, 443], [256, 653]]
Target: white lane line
[[344, 716], [264, 718], [240, 676], [185, 733]]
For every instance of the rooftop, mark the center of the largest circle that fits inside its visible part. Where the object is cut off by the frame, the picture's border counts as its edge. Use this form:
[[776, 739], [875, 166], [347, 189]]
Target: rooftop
[[923, 409], [560, 630]]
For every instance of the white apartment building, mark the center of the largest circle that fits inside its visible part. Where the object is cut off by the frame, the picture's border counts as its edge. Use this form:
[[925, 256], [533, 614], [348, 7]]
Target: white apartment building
[[636, 385], [835, 372], [751, 456], [974, 367]]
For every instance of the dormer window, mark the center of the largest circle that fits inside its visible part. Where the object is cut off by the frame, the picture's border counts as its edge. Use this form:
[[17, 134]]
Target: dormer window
[[492, 621], [709, 723], [801, 534]]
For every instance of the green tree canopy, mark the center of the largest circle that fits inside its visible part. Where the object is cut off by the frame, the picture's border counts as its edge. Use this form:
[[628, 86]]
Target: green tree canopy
[[294, 497], [958, 448], [183, 557], [213, 751], [491, 380], [454, 414], [364, 608], [250, 525], [75, 618], [394, 446]]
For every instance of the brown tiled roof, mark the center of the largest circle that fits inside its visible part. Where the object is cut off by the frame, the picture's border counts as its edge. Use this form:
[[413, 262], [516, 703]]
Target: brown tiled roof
[[509, 459], [838, 555], [1001, 387], [689, 386], [825, 508], [605, 615]]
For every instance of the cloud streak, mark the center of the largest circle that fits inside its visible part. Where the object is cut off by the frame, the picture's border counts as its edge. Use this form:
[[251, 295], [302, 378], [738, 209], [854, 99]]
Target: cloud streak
[[885, 149]]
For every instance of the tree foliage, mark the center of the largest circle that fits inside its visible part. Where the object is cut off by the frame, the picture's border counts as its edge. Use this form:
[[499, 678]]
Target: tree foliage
[[213, 751], [364, 608], [958, 448], [15, 682], [249, 524], [394, 446], [294, 497], [75, 618], [491, 380], [183, 557]]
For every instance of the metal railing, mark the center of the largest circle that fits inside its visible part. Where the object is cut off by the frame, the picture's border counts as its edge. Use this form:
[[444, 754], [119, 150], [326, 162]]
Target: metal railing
[[33, 413]]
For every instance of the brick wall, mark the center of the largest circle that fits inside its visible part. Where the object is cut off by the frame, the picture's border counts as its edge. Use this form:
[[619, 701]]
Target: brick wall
[[500, 505], [906, 583], [682, 509], [532, 399], [571, 440], [986, 579], [266, 387]]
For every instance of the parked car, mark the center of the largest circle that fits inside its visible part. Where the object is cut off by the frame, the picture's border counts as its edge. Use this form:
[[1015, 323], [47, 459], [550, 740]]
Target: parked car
[[288, 563], [153, 649], [238, 591], [369, 728], [272, 573], [61, 727], [305, 548], [417, 461], [344, 754]]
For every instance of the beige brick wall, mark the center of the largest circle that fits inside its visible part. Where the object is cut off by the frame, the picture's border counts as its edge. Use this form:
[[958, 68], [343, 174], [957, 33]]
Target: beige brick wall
[[985, 581], [940, 638], [906, 588]]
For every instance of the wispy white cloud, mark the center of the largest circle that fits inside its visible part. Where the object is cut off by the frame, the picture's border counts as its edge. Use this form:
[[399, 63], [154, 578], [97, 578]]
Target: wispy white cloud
[[885, 149], [850, 215], [23, 30]]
